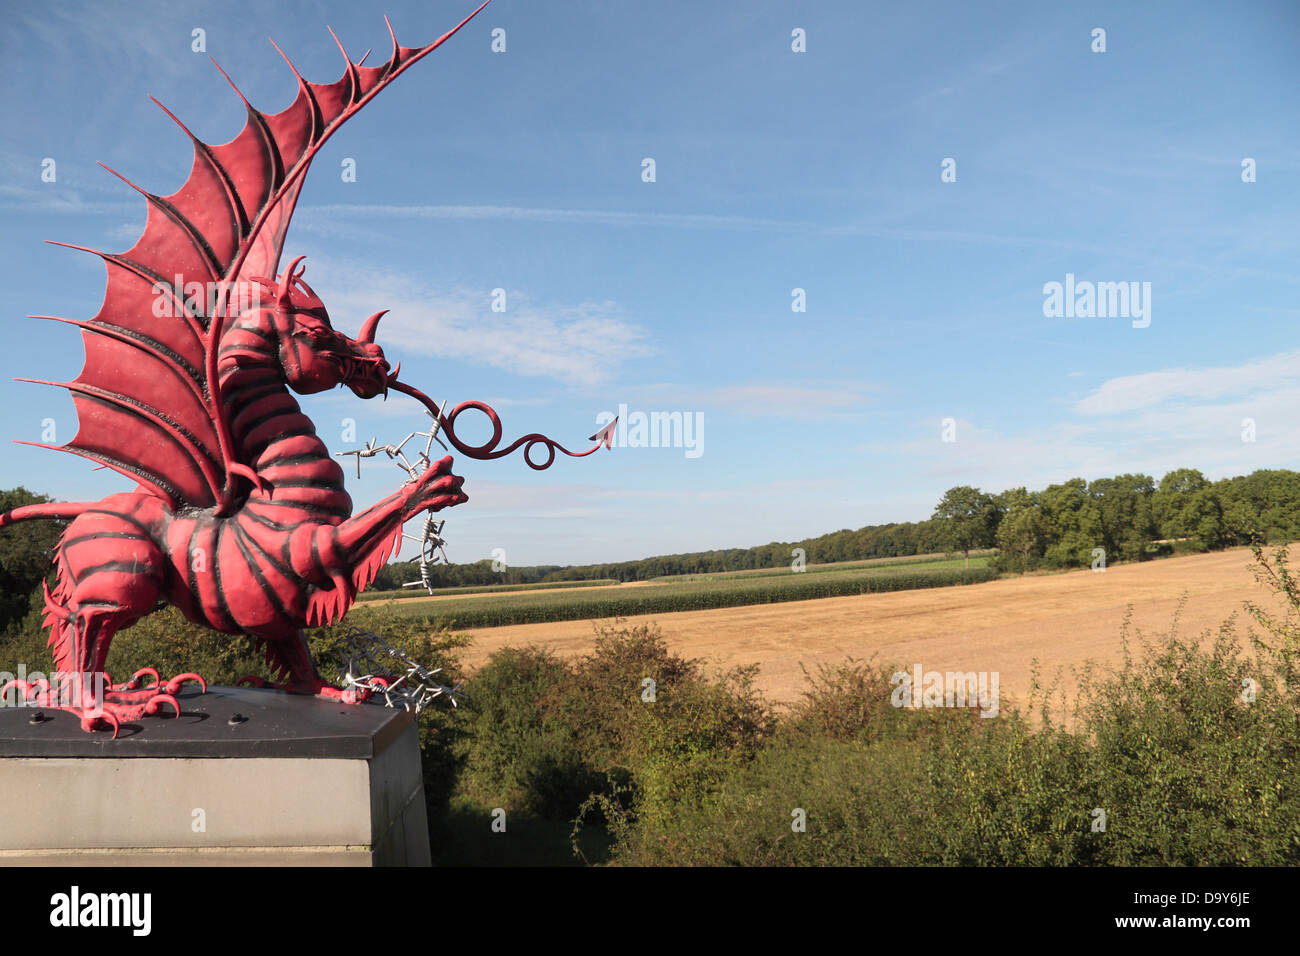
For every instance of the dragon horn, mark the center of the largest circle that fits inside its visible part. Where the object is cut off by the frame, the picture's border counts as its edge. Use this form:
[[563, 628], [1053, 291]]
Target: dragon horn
[[368, 327], [286, 281]]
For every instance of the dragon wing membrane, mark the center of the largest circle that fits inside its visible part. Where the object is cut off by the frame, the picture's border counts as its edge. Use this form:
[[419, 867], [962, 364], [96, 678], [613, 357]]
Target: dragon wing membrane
[[147, 399]]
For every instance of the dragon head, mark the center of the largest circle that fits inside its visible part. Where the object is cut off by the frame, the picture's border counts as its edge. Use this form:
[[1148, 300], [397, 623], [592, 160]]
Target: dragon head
[[315, 356]]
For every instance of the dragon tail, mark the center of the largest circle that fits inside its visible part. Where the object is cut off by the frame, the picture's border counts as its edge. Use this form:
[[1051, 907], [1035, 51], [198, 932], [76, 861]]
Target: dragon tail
[[54, 509]]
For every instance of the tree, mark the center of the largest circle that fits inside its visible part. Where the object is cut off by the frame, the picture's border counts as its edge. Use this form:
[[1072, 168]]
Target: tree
[[1125, 514], [1023, 530], [1073, 522], [1203, 516], [1171, 500], [968, 519], [25, 555]]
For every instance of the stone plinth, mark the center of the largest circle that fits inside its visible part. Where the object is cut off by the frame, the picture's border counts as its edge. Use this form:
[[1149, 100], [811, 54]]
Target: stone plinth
[[298, 781]]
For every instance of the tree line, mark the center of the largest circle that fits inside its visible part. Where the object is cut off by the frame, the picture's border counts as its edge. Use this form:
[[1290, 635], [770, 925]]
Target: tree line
[[873, 541], [1130, 517]]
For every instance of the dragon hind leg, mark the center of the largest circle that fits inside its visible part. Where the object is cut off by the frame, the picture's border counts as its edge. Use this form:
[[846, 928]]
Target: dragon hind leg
[[109, 577]]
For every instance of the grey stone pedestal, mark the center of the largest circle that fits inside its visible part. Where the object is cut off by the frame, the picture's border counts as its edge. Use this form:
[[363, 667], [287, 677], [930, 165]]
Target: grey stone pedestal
[[298, 781]]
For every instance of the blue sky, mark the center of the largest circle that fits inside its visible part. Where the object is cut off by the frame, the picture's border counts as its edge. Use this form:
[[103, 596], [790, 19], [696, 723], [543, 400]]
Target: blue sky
[[774, 170]]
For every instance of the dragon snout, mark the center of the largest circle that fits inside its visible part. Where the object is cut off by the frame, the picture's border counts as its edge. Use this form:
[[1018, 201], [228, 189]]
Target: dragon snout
[[366, 375], [366, 371]]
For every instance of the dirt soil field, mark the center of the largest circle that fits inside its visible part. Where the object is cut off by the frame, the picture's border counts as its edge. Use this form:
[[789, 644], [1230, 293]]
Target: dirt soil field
[[1060, 619]]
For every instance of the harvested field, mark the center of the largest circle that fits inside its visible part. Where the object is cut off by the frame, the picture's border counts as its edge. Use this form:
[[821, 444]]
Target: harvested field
[[1061, 619]]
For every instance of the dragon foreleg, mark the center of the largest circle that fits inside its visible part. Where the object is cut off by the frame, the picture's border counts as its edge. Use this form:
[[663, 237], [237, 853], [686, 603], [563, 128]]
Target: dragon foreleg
[[340, 560], [369, 537]]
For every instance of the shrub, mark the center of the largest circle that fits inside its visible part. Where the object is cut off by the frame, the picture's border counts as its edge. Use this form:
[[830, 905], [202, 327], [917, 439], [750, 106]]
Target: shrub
[[1196, 753], [517, 754], [548, 737], [848, 701]]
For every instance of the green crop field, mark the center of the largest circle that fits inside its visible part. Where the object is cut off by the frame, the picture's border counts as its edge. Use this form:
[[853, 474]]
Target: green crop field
[[977, 560], [416, 593], [498, 611]]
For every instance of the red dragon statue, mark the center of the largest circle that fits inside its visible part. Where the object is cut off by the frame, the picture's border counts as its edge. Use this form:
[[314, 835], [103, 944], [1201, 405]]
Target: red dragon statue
[[239, 518]]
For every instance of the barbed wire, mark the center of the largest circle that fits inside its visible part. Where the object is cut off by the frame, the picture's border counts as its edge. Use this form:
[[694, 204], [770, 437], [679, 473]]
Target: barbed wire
[[368, 667], [430, 540]]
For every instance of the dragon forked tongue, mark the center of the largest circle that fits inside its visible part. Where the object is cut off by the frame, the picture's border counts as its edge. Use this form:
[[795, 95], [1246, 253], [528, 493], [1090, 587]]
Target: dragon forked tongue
[[488, 450]]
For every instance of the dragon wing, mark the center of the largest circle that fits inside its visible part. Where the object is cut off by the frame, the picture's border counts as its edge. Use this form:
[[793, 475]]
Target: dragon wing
[[148, 399]]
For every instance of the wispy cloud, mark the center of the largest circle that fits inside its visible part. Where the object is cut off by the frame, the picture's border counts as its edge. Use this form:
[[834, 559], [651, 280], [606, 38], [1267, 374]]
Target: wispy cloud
[[606, 217], [1153, 423], [1134, 392], [495, 499], [109, 28], [582, 343], [319, 219], [338, 220], [63, 200], [768, 399]]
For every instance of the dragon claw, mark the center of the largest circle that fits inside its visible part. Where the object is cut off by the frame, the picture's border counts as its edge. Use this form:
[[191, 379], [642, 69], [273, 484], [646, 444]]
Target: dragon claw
[[90, 722], [174, 685], [134, 682], [157, 701], [237, 468], [30, 690]]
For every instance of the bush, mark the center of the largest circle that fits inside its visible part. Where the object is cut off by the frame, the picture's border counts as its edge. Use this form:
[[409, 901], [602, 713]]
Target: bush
[[516, 754], [849, 701], [1197, 750], [592, 740]]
